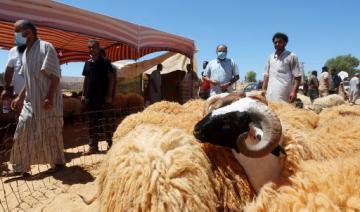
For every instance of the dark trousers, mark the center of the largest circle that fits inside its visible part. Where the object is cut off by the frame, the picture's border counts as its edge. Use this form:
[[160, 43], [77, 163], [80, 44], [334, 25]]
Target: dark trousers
[[313, 94], [101, 122]]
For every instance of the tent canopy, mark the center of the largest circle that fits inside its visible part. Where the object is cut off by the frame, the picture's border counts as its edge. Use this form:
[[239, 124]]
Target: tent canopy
[[171, 62], [69, 29]]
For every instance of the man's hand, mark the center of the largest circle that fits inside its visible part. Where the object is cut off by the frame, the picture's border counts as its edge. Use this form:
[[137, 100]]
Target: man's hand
[[16, 103], [293, 95], [48, 103], [214, 82], [224, 86]]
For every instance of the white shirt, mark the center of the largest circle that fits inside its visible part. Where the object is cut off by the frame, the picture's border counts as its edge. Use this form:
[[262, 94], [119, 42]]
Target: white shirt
[[15, 62], [324, 76], [354, 84], [281, 71]]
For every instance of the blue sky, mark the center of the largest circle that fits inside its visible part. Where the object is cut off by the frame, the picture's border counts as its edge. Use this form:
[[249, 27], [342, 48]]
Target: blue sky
[[317, 29]]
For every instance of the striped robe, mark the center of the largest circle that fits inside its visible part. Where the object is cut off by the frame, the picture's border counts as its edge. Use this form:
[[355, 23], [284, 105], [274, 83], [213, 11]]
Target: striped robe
[[38, 136]]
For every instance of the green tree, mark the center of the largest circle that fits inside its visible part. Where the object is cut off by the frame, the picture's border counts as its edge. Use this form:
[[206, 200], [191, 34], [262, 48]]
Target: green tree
[[250, 76], [346, 63]]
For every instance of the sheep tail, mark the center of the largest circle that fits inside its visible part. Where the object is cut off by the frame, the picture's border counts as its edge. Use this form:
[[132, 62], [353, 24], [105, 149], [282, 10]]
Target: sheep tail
[[88, 201]]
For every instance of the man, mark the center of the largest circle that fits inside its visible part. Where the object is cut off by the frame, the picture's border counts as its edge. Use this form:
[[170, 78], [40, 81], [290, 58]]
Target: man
[[282, 74], [155, 85], [313, 91], [97, 93], [190, 84], [324, 82], [334, 82], [12, 70], [221, 72], [38, 136], [205, 85], [354, 88]]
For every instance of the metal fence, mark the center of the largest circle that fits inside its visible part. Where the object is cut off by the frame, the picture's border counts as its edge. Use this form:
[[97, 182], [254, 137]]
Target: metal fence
[[26, 193]]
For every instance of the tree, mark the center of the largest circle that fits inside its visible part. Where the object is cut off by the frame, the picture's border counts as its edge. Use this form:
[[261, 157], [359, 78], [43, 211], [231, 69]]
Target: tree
[[250, 76], [346, 63]]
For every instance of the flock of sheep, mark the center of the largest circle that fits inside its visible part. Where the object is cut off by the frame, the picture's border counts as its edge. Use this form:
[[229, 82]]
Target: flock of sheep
[[157, 164]]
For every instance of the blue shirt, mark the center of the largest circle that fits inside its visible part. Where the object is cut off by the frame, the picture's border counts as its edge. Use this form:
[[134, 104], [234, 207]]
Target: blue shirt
[[222, 71]]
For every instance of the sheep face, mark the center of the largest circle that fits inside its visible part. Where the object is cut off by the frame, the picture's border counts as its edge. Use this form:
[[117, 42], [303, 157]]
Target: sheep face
[[222, 130], [228, 126]]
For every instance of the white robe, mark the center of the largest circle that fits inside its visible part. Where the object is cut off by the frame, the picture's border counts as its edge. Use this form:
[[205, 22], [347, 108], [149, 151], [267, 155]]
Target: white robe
[[38, 136]]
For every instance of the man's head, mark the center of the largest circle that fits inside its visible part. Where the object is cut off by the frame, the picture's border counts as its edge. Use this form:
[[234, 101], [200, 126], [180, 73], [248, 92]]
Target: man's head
[[25, 31], [314, 73], [221, 51], [205, 63], [324, 69], [357, 75], [159, 67], [333, 71], [280, 40], [94, 49]]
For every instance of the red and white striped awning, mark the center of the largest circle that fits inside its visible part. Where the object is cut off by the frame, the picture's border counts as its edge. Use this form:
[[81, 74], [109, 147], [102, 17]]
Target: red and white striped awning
[[69, 29]]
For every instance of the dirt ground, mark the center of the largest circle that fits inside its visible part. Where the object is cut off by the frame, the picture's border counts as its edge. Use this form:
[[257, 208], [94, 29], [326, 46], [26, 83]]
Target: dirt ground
[[48, 192]]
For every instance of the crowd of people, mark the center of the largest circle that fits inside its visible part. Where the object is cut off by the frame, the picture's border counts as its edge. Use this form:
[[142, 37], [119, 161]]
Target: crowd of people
[[34, 67], [331, 84]]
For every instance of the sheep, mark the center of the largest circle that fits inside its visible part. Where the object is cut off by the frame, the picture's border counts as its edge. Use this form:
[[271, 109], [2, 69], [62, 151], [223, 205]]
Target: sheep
[[145, 136], [71, 108], [327, 101], [229, 188], [128, 103], [331, 185], [227, 125]]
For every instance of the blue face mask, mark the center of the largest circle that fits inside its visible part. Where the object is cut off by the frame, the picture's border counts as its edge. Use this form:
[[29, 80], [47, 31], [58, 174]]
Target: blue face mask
[[19, 39], [221, 55]]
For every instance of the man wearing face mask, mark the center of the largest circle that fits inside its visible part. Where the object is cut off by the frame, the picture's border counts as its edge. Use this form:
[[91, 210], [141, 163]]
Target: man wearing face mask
[[221, 72], [38, 137], [13, 66], [282, 74]]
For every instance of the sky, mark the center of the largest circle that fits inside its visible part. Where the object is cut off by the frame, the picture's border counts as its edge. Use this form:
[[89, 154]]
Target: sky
[[318, 29]]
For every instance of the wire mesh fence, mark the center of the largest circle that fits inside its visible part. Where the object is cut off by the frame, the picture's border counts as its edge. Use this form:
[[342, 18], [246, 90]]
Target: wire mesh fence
[[24, 193]]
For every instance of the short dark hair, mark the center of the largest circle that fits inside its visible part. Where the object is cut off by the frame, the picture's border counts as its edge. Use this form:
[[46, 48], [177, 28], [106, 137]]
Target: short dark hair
[[324, 68], [93, 41], [281, 36], [159, 66], [26, 24], [314, 72]]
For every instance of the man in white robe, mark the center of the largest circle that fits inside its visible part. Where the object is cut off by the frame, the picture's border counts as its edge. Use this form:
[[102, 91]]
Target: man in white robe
[[282, 75], [38, 136]]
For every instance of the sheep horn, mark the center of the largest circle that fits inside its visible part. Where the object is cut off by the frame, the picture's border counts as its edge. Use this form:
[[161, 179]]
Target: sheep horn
[[271, 126]]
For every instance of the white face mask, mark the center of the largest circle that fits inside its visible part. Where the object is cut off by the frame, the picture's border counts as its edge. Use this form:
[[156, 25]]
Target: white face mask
[[19, 39]]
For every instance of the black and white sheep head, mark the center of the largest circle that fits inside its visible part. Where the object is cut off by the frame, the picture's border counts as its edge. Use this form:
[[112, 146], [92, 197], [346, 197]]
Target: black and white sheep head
[[229, 122]]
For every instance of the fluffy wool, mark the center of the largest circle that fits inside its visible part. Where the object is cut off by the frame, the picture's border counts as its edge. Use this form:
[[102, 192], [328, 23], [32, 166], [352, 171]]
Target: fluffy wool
[[332, 185], [72, 106], [156, 168], [228, 179], [321, 145]]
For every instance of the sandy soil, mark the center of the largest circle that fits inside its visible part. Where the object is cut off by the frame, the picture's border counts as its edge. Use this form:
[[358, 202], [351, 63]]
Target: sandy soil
[[59, 191]]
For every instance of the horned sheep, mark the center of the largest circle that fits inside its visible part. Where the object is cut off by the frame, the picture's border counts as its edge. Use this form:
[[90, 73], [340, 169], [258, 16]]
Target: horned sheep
[[157, 164]]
